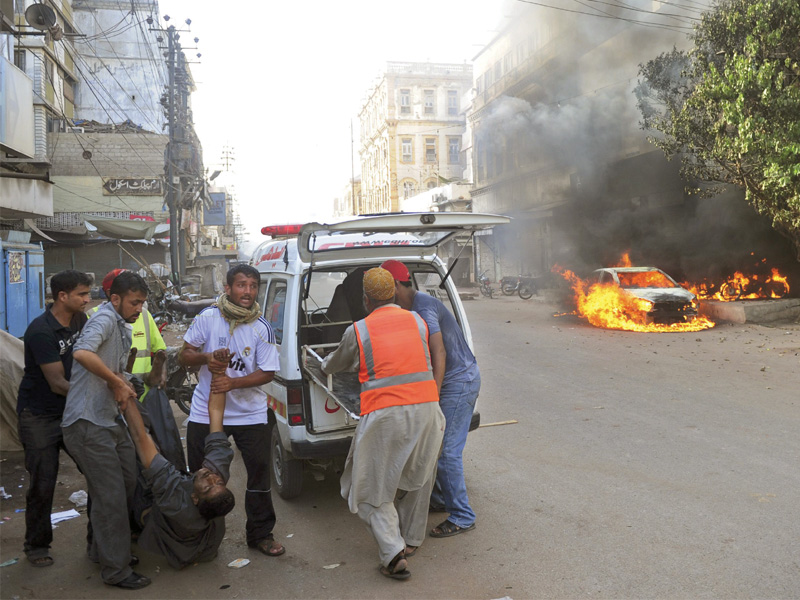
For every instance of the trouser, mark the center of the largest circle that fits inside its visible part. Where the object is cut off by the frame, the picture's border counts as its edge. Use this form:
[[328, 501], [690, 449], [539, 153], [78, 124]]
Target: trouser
[[42, 441], [253, 442], [108, 460], [457, 401], [397, 524]]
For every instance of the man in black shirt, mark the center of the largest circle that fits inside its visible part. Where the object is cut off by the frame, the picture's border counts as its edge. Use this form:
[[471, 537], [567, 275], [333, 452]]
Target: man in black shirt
[[40, 402], [186, 523]]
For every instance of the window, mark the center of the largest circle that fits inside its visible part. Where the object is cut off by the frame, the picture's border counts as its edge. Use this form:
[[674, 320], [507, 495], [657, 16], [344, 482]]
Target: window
[[429, 102], [430, 150], [507, 63], [19, 59], [408, 189], [453, 150], [452, 102], [407, 149], [498, 70], [274, 307], [487, 78], [431, 184], [405, 102]]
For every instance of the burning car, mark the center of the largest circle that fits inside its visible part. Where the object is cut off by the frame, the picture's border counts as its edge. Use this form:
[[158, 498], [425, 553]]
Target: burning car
[[660, 298]]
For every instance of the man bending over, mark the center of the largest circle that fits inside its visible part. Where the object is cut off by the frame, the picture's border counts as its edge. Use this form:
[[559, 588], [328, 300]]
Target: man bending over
[[186, 523]]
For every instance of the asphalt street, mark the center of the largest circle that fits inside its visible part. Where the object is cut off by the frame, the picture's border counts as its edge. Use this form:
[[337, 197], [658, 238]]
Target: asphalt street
[[639, 466]]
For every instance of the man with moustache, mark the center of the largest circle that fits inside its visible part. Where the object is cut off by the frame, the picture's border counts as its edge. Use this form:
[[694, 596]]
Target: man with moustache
[[235, 323], [95, 433], [42, 395]]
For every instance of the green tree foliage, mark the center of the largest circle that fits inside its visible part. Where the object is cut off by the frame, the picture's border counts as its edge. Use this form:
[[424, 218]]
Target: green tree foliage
[[730, 107]]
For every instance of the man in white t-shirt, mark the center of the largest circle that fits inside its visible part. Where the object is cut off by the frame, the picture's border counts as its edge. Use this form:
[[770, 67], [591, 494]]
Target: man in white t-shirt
[[235, 323]]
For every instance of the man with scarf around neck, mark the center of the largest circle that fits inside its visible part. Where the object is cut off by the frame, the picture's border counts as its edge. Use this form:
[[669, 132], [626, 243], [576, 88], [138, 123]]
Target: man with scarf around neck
[[235, 323]]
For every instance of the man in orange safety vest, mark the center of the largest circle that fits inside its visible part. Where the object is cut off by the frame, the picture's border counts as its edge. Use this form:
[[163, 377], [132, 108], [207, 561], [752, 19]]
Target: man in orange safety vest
[[391, 466]]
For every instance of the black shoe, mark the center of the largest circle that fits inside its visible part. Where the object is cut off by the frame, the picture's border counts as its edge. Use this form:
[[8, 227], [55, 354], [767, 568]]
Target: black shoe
[[134, 581], [134, 560]]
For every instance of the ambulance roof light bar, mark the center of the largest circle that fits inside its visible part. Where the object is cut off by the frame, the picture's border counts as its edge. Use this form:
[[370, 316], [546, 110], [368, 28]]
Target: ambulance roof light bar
[[277, 231]]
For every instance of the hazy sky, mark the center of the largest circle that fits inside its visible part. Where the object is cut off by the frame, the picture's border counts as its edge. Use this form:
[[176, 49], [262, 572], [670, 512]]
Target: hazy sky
[[279, 82]]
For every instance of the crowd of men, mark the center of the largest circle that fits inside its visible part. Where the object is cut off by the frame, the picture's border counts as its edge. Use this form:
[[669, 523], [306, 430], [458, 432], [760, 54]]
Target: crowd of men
[[94, 388]]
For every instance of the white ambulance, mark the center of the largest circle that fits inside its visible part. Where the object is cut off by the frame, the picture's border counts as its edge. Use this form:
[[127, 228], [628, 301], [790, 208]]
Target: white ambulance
[[311, 290]]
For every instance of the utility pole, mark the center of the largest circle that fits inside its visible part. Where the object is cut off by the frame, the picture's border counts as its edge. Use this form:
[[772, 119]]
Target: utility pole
[[172, 197]]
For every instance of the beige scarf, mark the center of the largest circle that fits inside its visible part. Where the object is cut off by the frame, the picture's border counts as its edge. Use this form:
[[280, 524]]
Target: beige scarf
[[237, 315]]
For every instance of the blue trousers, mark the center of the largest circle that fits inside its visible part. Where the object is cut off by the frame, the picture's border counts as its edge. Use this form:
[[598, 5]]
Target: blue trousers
[[457, 401]]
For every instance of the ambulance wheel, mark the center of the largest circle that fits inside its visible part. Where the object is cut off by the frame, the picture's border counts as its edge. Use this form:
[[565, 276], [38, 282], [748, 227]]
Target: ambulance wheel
[[286, 471]]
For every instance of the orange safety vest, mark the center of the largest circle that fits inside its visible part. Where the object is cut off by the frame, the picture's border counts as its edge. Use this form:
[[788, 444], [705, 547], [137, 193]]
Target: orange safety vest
[[395, 366]]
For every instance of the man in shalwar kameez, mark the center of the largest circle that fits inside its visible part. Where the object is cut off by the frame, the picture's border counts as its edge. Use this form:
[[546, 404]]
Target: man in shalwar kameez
[[391, 467]]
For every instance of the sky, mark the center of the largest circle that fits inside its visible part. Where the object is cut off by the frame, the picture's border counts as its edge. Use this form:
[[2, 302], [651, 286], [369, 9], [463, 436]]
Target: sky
[[280, 83]]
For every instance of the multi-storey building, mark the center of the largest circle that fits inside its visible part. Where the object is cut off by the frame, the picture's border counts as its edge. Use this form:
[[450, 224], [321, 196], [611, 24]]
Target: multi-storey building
[[411, 126], [347, 204], [556, 142]]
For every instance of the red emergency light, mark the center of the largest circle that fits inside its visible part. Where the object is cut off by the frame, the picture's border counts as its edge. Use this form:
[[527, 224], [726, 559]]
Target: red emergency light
[[281, 230]]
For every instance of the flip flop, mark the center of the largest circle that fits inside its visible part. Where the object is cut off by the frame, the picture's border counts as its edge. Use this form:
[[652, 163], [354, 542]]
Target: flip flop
[[40, 561], [397, 568], [270, 547], [448, 528]]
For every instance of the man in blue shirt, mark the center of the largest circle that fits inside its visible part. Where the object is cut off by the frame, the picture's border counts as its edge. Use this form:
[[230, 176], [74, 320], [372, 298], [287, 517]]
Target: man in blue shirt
[[456, 371]]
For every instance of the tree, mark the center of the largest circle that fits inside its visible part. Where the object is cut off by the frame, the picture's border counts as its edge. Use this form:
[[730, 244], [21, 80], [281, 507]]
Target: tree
[[730, 106]]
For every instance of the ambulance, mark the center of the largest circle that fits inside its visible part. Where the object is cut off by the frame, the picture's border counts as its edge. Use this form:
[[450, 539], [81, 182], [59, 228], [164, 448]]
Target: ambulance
[[311, 291]]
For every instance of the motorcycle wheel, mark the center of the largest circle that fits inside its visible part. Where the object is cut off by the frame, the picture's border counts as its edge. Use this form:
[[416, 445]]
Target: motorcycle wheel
[[183, 398], [525, 292], [509, 289], [729, 291], [486, 291]]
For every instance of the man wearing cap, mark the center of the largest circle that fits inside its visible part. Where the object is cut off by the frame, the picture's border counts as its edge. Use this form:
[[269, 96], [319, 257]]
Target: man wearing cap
[[460, 382], [389, 472]]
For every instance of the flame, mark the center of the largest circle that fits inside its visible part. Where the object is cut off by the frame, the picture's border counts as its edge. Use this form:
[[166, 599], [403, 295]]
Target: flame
[[625, 260], [743, 287], [607, 305]]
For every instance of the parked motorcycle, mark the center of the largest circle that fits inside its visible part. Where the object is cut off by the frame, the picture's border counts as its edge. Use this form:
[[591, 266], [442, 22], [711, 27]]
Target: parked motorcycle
[[524, 286], [486, 289], [181, 381]]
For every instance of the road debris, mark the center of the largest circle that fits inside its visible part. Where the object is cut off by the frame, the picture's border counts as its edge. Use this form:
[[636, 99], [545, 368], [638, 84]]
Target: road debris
[[64, 515], [79, 498], [3, 494], [333, 566], [239, 563], [511, 422], [10, 562]]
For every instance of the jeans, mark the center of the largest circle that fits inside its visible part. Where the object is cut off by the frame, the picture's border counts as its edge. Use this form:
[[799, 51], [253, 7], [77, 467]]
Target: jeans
[[253, 442], [457, 401], [42, 441], [108, 460]]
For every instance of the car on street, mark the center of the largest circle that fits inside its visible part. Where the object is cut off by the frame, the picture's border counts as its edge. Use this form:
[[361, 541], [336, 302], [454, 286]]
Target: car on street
[[666, 301]]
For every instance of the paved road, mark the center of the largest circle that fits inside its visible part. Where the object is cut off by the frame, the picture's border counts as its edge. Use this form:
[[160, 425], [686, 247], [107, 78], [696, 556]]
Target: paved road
[[642, 465]]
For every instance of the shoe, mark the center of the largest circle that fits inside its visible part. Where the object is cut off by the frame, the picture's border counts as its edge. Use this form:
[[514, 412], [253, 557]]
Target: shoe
[[133, 562], [448, 529], [134, 581], [434, 508]]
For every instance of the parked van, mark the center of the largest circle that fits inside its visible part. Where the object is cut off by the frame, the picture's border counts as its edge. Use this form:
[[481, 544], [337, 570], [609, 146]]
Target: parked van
[[311, 291]]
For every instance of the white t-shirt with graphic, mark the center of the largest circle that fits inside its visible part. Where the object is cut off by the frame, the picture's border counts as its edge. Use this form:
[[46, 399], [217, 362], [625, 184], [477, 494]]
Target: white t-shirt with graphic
[[252, 347]]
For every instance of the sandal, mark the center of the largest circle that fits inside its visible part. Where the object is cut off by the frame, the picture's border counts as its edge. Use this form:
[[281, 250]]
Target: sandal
[[396, 568], [41, 561], [411, 551], [448, 528], [270, 547]]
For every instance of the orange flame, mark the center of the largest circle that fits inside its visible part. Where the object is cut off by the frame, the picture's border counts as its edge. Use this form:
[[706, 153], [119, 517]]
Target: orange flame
[[743, 287], [607, 305]]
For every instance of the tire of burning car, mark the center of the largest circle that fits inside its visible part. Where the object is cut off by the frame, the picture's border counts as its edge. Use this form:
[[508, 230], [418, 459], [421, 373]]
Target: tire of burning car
[[287, 471]]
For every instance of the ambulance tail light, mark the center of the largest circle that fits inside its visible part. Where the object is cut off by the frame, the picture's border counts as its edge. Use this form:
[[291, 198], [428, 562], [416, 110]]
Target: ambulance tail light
[[281, 230], [294, 405]]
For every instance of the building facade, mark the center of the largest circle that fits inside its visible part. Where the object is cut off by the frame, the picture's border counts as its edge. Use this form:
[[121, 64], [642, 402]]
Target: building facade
[[556, 142], [411, 128]]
